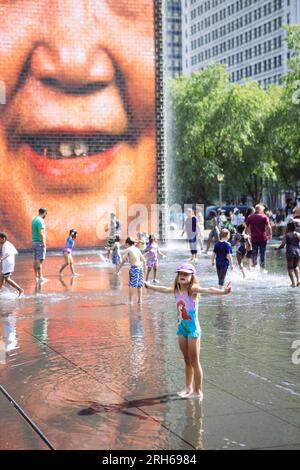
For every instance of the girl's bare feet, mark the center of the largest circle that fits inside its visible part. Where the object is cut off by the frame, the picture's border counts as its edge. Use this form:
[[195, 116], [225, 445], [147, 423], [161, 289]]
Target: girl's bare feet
[[184, 393], [195, 395]]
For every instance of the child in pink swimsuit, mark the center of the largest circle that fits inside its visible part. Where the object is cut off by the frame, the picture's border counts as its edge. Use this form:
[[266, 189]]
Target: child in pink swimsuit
[[152, 251], [186, 289], [67, 252]]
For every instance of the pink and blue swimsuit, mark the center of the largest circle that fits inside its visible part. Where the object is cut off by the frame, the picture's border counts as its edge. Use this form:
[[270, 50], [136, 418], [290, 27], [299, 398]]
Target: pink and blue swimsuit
[[152, 259], [69, 245], [187, 309]]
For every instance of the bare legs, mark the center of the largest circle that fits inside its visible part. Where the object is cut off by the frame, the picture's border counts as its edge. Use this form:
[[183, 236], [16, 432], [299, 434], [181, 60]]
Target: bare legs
[[37, 267], [12, 283], [240, 263], [154, 273], [140, 295], [68, 262], [190, 348], [213, 234], [295, 280], [139, 292], [201, 239]]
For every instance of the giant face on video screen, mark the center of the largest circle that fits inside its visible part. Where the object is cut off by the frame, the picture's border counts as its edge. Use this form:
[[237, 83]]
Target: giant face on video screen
[[77, 125]]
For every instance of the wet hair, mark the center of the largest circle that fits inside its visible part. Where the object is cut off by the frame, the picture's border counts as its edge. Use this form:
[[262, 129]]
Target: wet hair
[[129, 241], [42, 211], [240, 228], [73, 233], [152, 238], [3, 235], [117, 238], [193, 282], [291, 227], [224, 233]]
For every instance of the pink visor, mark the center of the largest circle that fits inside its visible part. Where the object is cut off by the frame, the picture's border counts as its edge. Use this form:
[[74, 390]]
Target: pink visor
[[186, 268]]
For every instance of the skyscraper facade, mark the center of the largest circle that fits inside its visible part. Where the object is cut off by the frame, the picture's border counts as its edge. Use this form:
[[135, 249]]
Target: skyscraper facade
[[173, 38], [247, 35]]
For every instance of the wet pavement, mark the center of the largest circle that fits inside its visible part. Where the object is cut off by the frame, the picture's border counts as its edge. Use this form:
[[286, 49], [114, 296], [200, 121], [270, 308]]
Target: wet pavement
[[82, 369]]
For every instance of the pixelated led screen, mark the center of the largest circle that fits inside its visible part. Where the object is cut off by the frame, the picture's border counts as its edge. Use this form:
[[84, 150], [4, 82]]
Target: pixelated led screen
[[77, 116]]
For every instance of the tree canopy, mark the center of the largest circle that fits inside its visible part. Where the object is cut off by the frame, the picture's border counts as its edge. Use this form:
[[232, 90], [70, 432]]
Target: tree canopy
[[240, 130]]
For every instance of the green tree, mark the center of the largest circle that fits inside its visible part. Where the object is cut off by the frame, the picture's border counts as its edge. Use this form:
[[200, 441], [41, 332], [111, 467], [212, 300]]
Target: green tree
[[216, 129], [285, 118]]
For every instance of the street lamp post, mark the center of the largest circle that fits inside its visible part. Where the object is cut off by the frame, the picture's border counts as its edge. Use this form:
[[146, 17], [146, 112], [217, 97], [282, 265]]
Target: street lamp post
[[220, 179]]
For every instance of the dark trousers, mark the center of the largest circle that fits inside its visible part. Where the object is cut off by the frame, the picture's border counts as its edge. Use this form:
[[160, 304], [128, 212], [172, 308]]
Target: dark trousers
[[261, 247], [221, 271], [193, 245]]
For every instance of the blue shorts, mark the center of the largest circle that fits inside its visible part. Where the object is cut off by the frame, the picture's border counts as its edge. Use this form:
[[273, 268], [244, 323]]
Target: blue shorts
[[116, 259], [190, 330], [136, 276], [39, 251]]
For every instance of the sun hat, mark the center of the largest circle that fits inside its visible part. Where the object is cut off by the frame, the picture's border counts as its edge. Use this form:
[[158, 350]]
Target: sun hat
[[186, 268]]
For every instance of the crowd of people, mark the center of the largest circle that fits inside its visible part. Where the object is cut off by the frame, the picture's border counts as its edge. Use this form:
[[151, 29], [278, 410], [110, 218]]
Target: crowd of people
[[249, 232]]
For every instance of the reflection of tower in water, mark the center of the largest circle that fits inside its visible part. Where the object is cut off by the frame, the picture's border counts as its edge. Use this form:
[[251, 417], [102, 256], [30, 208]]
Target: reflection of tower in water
[[115, 281], [224, 323], [40, 329], [9, 340]]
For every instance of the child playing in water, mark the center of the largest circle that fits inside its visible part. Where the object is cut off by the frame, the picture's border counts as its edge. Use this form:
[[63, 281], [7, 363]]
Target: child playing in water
[[214, 234], [8, 253], [152, 251], [67, 252], [244, 245], [187, 289], [292, 241], [222, 256], [116, 253], [136, 272], [141, 241]]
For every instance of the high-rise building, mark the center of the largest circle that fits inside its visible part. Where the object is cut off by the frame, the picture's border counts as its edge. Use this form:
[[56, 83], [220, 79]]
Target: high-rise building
[[173, 35], [247, 35]]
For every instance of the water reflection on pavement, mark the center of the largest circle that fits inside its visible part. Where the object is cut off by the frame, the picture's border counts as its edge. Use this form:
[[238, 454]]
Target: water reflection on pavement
[[92, 372]]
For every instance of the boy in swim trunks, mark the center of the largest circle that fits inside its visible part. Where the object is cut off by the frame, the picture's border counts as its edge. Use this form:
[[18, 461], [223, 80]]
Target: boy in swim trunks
[[136, 272]]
